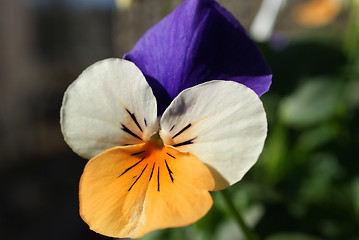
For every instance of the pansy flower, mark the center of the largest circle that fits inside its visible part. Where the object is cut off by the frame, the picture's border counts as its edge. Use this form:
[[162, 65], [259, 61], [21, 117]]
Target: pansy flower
[[163, 127]]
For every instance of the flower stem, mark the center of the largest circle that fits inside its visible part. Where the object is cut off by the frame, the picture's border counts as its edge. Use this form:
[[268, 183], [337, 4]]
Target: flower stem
[[247, 232]]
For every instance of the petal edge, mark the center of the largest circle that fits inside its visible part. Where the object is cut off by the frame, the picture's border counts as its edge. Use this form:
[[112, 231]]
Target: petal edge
[[228, 128], [104, 105]]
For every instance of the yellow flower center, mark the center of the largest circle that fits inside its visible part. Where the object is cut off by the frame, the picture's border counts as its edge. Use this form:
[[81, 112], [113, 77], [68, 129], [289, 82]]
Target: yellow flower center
[[156, 140]]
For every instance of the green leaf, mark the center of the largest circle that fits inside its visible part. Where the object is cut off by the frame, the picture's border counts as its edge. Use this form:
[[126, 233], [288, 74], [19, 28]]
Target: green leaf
[[313, 102], [352, 36], [318, 136], [274, 156]]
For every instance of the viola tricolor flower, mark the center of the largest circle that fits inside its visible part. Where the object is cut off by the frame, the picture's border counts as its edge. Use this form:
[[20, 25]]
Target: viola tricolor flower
[[159, 127]]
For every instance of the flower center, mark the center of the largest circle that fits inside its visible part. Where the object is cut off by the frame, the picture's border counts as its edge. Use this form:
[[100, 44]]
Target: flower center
[[157, 140]]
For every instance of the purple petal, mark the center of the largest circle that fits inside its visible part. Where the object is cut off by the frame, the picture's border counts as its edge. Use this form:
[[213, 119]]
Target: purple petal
[[198, 42]]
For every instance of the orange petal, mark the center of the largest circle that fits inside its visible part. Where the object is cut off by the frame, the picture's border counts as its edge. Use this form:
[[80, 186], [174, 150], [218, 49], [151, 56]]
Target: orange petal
[[317, 13], [130, 191]]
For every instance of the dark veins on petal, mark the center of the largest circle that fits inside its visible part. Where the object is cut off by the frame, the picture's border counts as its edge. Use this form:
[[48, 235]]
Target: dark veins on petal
[[172, 128], [158, 179], [125, 129], [184, 143], [134, 154], [183, 129], [134, 119], [134, 165], [171, 156], [138, 178], [169, 171], [152, 171]]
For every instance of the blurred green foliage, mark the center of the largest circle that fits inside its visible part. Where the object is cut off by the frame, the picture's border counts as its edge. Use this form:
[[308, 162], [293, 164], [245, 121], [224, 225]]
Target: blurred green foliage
[[305, 185]]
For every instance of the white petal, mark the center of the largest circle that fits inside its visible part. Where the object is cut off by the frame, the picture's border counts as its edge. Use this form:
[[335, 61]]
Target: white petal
[[98, 105], [224, 125]]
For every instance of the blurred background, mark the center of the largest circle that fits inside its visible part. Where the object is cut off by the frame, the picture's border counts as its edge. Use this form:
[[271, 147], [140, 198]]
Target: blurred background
[[305, 185]]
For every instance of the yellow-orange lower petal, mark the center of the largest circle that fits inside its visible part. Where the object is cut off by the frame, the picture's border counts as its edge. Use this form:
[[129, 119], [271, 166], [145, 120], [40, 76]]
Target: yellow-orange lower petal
[[130, 191]]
